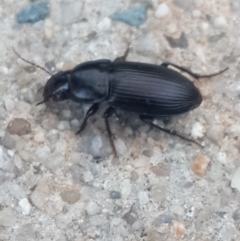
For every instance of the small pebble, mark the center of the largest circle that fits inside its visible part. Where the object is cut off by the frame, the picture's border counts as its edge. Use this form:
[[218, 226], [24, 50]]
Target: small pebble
[[235, 182], [200, 165], [23, 78], [163, 218], [63, 125], [39, 137], [25, 206], [88, 176], [196, 13], [34, 12], [9, 104], [115, 195], [134, 176], [40, 195], [197, 130], [71, 11], [198, 3], [162, 11], [183, 4], [137, 225], [23, 107], [235, 5], [19, 126], [8, 141], [215, 134], [143, 198], [70, 197], [160, 170], [92, 208], [105, 24], [220, 22], [181, 42], [120, 146], [172, 28], [7, 217], [126, 188], [133, 16], [178, 228]]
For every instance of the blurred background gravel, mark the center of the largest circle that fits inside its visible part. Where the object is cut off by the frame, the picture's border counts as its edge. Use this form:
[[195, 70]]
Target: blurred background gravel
[[55, 185]]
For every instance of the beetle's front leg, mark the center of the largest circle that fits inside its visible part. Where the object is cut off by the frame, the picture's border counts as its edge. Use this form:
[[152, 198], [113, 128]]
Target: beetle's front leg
[[92, 110], [148, 120], [188, 71], [124, 57], [109, 111]]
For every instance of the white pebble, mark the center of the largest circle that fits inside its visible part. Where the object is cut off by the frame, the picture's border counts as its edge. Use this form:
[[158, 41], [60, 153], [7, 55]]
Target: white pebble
[[198, 3], [235, 183], [143, 198], [162, 11], [63, 125], [196, 13], [105, 24], [39, 137], [220, 22], [24, 107], [120, 146], [204, 27], [92, 208], [88, 176], [172, 28], [126, 188], [25, 206], [197, 130], [9, 104]]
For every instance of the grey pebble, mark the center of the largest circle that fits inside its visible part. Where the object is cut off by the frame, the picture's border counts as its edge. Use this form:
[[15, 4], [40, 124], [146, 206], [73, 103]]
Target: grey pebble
[[215, 38], [23, 78], [163, 218], [183, 4], [235, 5], [6, 163], [50, 121], [92, 208], [19, 126], [34, 12], [160, 170], [9, 104], [26, 231], [137, 225], [181, 42], [8, 141], [7, 217], [115, 195], [134, 176], [76, 173], [70, 197], [131, 216], [88, 176], [147, 153], [133, 16], [215, 134], [71, 12], [143, 198]]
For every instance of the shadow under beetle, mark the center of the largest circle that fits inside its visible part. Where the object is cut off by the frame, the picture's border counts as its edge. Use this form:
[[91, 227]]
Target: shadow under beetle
[[146, 89]]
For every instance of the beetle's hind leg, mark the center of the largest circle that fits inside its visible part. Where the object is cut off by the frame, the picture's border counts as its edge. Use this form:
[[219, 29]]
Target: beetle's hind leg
[[91, 111], [188, 71], [108, 113], [148, 120]]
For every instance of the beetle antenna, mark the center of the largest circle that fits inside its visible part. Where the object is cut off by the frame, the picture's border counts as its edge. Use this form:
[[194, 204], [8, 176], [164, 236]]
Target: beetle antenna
[[31, 63]]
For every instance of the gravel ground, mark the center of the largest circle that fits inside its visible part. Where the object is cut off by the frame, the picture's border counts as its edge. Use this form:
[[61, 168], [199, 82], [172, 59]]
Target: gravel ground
[[55, 185]]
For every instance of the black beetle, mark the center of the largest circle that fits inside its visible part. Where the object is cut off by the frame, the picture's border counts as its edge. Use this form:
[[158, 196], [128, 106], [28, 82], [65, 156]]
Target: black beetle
[[146, 89]]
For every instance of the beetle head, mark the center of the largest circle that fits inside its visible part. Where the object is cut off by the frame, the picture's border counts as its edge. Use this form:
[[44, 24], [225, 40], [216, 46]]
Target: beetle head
[[57, 88]]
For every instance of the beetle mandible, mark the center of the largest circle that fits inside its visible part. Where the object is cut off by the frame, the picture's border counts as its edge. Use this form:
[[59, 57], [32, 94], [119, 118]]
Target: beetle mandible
[[145, 89]]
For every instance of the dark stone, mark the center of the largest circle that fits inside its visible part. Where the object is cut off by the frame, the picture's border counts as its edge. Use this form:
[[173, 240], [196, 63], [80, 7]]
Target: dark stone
[[115, 195], [215, 38], [70, 197], [163, 218], [19, 126], [133, 16], [180, 42], [34, 12]]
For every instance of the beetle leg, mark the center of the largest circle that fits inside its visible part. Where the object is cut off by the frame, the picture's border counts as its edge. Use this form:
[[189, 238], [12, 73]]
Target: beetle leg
[[92, 110], [147, 120], [188, 71], [109, 111], [124, 57]]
